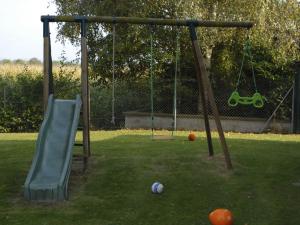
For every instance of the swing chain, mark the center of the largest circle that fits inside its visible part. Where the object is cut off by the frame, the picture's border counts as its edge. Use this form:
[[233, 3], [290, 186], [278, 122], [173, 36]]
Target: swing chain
[[113, 75], [247, 53], [257, 100], [151, 80], [177, 71]]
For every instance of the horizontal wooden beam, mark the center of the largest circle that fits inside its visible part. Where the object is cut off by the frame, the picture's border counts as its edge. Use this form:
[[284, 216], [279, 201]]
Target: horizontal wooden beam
[[148, 21]]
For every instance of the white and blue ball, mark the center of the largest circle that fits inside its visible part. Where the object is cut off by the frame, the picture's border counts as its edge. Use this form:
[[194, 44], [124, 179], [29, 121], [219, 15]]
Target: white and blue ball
[[157, 188]]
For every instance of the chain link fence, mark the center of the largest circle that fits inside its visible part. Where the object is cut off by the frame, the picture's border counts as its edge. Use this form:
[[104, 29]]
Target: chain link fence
[[21, 104], [135, 96]]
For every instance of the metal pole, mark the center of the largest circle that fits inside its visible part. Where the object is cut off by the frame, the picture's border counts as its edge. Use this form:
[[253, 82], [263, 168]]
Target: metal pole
[[293, 109], [296, 100], [267, 123], [206, 83], [148, 21]]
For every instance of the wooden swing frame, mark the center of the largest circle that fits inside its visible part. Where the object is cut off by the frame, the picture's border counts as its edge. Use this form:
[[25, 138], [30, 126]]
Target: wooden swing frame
[[205, 87]]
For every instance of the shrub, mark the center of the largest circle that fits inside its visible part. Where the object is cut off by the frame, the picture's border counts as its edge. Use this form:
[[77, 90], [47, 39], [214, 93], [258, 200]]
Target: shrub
[[21, 99]]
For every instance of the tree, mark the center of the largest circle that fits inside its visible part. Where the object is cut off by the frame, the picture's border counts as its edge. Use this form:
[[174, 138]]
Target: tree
[[5, 61], [276, 23], [19, 61], [34, 61], [275, 37]]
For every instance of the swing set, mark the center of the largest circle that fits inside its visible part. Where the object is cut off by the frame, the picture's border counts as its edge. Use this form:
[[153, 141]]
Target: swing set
[[204, 84]]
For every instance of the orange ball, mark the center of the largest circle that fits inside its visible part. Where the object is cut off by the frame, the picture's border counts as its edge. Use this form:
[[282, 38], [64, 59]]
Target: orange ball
[[221, 217], [192, 137]]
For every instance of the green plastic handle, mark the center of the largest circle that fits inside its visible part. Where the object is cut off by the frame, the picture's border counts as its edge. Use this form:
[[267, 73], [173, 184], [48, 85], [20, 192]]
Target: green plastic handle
[[257, 100]]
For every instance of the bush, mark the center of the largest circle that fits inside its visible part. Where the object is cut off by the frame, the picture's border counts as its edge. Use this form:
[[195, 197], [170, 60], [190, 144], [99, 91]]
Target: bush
[[34, 61], [21, 99]]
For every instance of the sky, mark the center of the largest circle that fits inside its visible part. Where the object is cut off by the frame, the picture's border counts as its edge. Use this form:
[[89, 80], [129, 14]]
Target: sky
[[21, 31]]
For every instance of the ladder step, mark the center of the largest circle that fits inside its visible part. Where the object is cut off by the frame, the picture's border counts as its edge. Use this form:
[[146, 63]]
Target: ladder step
[[78, 157], [78, 144]]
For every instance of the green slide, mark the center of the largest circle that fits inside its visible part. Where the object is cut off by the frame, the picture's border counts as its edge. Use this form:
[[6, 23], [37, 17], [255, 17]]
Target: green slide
[[47, 179]]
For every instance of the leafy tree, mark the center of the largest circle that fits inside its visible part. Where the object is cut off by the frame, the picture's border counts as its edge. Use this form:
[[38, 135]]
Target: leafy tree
[[5, 61], [34, 61], [19, 61], [276, 24], [275, 38]]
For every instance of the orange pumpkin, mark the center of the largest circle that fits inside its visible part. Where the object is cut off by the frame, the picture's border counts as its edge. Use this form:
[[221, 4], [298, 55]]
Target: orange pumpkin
[[192, 137], [221, 217]]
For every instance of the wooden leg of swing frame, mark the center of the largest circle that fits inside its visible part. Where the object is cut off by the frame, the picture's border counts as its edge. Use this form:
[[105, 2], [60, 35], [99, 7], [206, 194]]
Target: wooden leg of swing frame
[[204, 77], [85, 96], [205, 113]]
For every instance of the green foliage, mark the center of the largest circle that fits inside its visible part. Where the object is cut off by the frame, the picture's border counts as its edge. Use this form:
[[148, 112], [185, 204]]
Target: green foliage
[[275, 42], [20, 61], [34, 61], [5, 61], [21, 106], [66, 82], [275, 46], [271, 28], [21, 102]]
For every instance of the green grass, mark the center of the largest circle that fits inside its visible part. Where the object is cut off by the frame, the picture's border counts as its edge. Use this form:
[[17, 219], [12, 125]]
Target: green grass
[[263, 189]]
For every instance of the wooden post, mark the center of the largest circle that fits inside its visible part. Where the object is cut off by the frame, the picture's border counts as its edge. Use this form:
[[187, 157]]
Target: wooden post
[[85, 93], [48, 78], [205, 80], [205, 112]]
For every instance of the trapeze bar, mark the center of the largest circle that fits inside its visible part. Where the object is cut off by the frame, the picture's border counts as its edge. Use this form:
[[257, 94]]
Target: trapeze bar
[[149, 21]]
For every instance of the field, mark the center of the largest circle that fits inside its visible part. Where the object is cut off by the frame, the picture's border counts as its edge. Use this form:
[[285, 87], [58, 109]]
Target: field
[[13, 69], [263, 188]]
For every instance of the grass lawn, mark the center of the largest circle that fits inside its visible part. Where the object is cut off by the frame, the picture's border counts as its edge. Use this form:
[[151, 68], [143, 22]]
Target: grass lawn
[[263, 188]]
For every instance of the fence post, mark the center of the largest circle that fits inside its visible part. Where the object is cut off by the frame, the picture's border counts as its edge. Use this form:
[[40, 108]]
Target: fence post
[[296, 100]]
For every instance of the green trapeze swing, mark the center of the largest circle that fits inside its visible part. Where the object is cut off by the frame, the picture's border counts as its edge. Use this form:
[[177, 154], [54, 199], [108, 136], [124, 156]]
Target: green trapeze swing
[[257, 100]]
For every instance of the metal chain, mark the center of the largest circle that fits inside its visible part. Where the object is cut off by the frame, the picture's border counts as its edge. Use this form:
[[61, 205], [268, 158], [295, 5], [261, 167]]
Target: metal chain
[[251, 62], [247, 52]]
